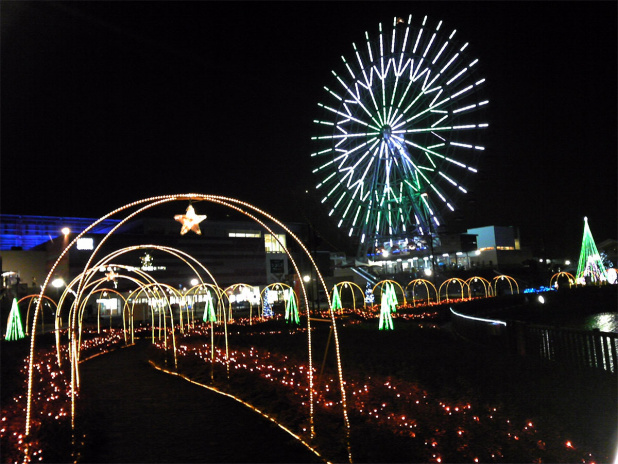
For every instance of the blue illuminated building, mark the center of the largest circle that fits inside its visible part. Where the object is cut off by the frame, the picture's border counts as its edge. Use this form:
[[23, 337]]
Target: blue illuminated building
[[26, 232]]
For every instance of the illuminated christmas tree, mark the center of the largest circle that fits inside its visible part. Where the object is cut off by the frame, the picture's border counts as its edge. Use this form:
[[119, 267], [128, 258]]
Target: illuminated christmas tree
[[209, 310], [590, 267], [291, 308], [336, 299], [267, 310], [392, 297], [14, 329], [386, 320], [369, 296]]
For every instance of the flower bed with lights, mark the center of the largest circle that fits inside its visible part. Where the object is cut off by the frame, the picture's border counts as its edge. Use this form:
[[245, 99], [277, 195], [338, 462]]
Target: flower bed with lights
[[402, 406], [51, 432]]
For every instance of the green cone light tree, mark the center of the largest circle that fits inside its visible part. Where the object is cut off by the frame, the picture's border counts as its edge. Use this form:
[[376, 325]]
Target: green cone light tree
[[590, 268], [14, 329]]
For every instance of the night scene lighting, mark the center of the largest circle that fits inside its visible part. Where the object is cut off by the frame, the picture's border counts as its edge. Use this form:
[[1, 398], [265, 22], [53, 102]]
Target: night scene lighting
[[393, 313]]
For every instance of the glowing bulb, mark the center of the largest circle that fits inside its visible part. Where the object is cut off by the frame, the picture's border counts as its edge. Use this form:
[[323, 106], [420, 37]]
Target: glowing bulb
[[66, 231]]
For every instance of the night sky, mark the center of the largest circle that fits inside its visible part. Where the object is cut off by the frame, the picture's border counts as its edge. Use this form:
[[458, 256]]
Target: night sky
[[104, 103]]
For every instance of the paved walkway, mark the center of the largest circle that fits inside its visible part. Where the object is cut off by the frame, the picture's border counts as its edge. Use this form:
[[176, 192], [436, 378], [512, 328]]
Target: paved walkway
[[136, 414]]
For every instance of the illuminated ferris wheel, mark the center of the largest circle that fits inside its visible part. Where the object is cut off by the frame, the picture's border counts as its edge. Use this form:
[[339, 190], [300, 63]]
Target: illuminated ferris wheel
[[399, 135]]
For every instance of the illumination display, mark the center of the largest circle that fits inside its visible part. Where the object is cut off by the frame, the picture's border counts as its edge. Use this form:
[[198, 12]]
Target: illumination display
[[85, 243], [369, 296], [612, 276], [399, 133], [590, 267], [336, 299], [291, 307], [14, 328], [190, 221], [387, 305], [209, 309], [267, 309]]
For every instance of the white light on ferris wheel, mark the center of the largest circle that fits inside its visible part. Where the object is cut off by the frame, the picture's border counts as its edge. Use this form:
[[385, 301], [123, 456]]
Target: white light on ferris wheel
[[399, 131]]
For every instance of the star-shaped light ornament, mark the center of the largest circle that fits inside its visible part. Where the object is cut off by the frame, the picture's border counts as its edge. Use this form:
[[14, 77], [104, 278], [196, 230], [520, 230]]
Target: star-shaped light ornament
[[111, 276], [190, 221]]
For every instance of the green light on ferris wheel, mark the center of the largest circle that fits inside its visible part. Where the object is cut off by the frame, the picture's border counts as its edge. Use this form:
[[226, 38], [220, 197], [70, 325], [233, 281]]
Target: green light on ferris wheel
[[398, 125]]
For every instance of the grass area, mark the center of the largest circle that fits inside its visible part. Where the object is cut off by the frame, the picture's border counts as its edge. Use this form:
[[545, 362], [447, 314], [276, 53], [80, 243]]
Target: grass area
[[574, 412]]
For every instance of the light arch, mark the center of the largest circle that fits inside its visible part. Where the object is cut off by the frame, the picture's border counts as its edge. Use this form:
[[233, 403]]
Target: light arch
[[395, 284], [238, 205], [509, 280], [447, 283], [484, 282], [30, 299], [427, 284], [353, 286], [553, 281]]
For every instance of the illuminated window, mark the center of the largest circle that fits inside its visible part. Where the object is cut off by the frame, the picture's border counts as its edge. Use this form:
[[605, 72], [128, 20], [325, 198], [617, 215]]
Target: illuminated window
[[274, 246], [85, 243], [108, 306], [244, 233], [505, 248]]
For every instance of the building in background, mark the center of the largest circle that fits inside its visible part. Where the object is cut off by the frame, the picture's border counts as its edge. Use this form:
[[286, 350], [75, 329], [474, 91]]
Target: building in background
[[498, 247], [233, 251]]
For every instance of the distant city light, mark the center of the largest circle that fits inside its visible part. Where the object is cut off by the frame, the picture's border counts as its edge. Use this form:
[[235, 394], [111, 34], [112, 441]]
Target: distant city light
[[85, 243]]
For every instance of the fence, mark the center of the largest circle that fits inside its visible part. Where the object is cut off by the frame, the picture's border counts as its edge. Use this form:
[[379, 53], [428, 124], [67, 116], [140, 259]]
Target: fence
[[577, 349]]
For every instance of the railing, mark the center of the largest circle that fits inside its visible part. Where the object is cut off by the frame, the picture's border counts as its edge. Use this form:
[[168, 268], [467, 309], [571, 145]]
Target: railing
[[577, 349]]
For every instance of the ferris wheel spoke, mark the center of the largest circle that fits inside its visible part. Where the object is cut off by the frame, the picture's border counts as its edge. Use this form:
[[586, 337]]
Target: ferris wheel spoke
[[355, 96], [401, 133]]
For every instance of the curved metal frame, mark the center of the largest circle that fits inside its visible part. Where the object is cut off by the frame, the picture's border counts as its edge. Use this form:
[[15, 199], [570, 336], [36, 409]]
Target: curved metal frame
[[416, 282], [509, 279], [143, 205]]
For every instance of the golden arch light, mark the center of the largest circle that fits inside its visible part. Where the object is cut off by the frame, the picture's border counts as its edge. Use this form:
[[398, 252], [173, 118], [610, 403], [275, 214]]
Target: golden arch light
[[341, 286], [554, 280], [384, 283], [447, 283], [501, 279], [134, 209], [475, 281], [427, 284]]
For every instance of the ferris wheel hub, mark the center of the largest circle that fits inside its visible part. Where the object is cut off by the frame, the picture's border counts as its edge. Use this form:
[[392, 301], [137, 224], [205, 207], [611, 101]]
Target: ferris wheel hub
[[385, 132]]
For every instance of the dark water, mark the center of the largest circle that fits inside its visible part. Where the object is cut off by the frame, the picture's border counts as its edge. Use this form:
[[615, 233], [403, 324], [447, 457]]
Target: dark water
[[135, 414], [605, 322]]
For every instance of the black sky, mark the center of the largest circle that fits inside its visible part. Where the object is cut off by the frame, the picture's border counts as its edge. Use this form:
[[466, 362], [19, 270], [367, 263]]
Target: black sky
[[104, 103]]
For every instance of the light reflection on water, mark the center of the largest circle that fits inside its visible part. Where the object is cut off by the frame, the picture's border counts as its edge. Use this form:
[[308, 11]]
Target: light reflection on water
[[605, 322]]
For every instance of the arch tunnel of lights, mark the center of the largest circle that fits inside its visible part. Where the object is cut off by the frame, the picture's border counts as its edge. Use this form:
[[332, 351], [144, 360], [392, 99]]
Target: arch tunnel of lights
[[87, 283], [166, 324]]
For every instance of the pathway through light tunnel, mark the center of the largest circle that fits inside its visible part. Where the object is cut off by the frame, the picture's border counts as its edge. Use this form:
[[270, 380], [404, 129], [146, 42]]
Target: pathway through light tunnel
[[154, 417]]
